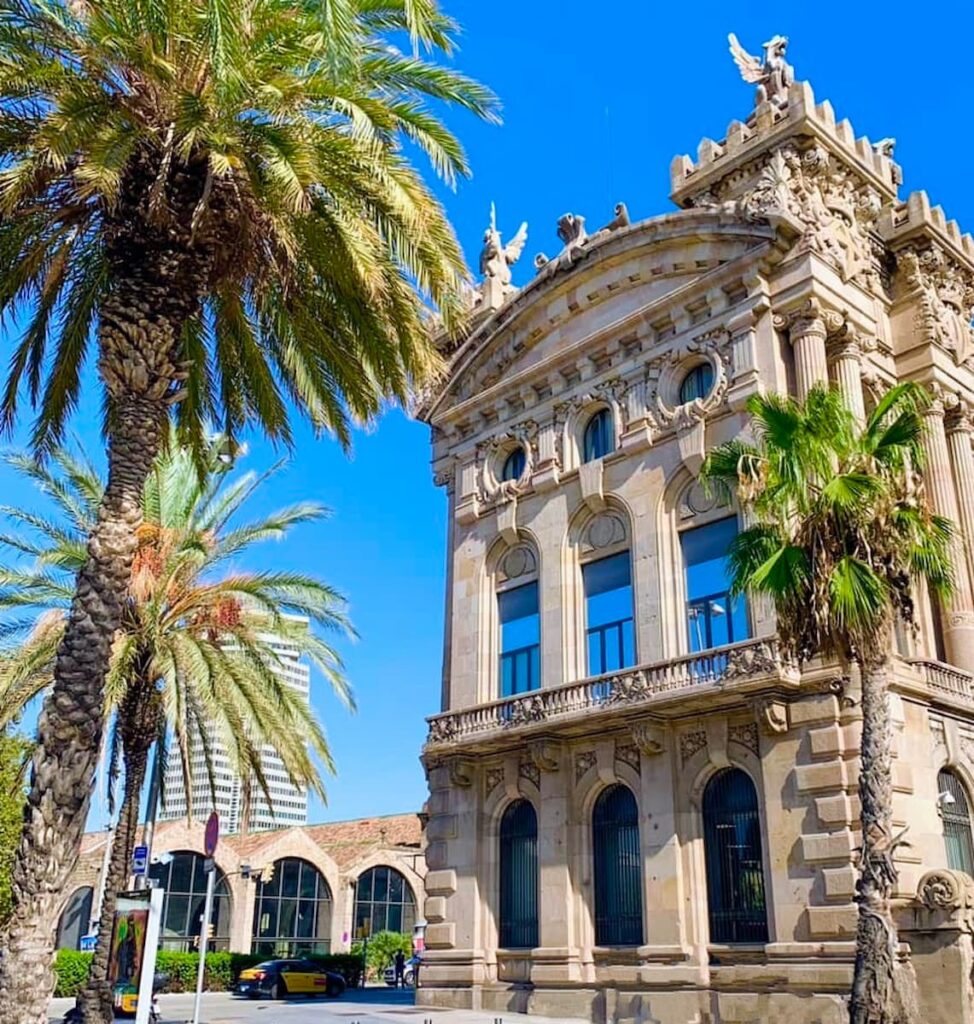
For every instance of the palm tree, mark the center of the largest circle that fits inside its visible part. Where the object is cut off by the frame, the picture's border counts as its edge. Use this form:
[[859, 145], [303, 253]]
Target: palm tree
[[841, 533], [193, 657], [219, 195]]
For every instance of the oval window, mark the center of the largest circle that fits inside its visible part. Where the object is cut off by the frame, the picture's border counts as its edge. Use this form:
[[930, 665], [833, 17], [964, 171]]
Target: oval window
[[697, 383], [514, 465]]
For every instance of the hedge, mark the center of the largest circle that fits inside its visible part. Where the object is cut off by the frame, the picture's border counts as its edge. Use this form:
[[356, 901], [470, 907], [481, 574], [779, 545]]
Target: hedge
[[222, 969]]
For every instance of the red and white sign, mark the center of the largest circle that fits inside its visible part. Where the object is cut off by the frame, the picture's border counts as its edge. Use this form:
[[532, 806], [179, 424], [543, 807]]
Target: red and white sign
[[212, 834]]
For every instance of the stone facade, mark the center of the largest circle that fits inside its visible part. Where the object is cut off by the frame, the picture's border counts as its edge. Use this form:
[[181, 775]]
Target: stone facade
[[340, 851], [791, 260]]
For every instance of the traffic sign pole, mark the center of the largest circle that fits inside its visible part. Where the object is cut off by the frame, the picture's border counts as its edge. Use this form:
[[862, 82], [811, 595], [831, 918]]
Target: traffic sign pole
[[210, 839]]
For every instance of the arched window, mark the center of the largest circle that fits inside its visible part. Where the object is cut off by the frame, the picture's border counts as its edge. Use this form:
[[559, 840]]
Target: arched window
[[609, 637], [75, 919], [956, 813], [519, 877], [384, 902], [735, 867], [618, 871], [292, 912], [514, 465], [598, 439], [184, 879], [714, 617], [697, 383]]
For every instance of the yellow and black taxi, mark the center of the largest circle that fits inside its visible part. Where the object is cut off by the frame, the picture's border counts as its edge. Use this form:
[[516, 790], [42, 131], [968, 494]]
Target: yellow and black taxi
[[282, 978]]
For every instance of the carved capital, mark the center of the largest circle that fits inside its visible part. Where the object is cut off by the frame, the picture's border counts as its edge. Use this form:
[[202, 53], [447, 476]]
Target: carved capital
[[649, 736], [943, 889], [461, 771], [807, 319], [545, 754], [960, 418]]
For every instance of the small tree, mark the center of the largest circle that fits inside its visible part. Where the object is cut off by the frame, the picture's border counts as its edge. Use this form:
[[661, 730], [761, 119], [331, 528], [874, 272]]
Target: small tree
[[841, 532], [382, 949], [13, 793]]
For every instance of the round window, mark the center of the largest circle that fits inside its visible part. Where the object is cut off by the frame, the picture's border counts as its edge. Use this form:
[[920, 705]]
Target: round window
[[697, 383], [513, 465]]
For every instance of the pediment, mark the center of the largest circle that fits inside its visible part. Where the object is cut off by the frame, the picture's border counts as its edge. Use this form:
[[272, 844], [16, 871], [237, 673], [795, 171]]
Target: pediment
[[630, 282]]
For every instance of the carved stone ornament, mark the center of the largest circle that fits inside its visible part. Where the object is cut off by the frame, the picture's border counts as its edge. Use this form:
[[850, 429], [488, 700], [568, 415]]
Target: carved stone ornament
[[772, 74], [519, 561], [605, 530], [943, 889], [492, 779], [584, 762], [772, 715], [691, 743], [442, 730], [944, 294], [628, 753], [746, 734], [546, 754], [525, 711], [496, 260], [630, 687], [715, 347], [491, 454], [649, 737], [752, 660], [461, 771], [529, 771], [576, 240]]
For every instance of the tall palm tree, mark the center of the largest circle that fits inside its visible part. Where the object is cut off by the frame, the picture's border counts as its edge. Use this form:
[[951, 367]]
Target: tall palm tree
[[217, 194], [841, 533], [193, 657]]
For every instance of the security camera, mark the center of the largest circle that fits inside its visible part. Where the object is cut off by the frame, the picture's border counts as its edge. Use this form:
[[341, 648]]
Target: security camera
[[946, 799]]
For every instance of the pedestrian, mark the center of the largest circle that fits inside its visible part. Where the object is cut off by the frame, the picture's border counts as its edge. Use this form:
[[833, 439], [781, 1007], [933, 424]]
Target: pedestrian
[[400, 969]]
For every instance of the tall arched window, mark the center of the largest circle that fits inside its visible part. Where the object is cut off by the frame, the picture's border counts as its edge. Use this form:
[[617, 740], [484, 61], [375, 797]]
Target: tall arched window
[[618, 873], [292, 912], [75, 919], [384, 902], [714, 617], [184, 880], [735, 866], [519, 621], [956, 813], [598, 438], [519, 877]]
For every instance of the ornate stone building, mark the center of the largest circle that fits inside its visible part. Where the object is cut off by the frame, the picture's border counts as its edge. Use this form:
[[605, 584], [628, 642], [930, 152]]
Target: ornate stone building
[[327, 883], [638, 810]]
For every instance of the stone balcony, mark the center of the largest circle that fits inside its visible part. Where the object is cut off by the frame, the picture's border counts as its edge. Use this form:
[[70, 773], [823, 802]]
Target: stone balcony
[[721, 678]]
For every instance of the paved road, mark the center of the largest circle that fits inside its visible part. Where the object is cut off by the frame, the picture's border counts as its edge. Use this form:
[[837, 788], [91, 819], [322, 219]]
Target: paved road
[[359, 1006]]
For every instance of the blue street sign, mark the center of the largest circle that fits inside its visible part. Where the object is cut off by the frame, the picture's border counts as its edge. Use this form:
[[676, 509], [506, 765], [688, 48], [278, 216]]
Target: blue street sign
[[88, 943], [140, 860]]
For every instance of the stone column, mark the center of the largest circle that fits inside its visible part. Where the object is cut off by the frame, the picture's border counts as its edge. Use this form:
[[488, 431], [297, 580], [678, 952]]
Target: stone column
[[959, 616], [960, 426], [807, 331], [448, 480], [847, 353]]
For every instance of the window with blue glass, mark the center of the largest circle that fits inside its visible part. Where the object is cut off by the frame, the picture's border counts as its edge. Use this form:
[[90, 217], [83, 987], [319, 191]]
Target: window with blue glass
[[697, 383], [598, 439], [608, 614], [520, 654], [714, 618], [514, 464]]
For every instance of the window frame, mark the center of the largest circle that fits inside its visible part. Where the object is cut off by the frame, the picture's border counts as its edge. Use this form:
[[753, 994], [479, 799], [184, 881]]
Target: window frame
[[407, 904], [500, 591], [510, 458], [594, 558], [510, 895], [956, 824], [273, 902], [606, 858], [598, 433], [695, 373]]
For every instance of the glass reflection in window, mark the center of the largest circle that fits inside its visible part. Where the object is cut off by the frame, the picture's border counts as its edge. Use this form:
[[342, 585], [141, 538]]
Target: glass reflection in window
[[520, 652], [714, 618], [608, 614]]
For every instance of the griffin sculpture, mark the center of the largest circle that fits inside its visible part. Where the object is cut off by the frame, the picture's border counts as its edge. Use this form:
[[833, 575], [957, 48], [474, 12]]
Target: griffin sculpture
[[773, 76]]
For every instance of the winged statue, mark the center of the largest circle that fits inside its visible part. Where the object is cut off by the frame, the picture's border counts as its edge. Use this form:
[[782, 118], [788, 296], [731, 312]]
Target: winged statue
[[496, 259], [773, 75]]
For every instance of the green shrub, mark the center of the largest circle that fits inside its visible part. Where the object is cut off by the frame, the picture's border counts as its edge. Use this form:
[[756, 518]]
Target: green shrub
[[382, 949], [71, 969], [222, 969]]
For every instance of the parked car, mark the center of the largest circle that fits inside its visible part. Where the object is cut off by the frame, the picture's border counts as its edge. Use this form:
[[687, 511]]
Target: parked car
[[409, 975], [281, 978]]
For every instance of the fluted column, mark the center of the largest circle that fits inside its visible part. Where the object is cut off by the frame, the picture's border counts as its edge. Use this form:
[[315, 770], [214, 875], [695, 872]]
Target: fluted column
[[959, 424], [847, 356], [938, 477], [807, 331]]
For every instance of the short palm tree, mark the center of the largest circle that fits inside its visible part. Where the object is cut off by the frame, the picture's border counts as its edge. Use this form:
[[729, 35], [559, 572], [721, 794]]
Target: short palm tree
[[841, 533], [217, 195], [193, 657]]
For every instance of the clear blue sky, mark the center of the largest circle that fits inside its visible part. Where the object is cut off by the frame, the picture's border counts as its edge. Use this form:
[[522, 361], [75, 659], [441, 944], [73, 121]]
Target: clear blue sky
[[597, 100]]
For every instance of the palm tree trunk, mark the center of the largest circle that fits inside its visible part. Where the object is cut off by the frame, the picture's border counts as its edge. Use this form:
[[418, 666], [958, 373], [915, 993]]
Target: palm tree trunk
[[139, 724], [883, 989], [139, 329]]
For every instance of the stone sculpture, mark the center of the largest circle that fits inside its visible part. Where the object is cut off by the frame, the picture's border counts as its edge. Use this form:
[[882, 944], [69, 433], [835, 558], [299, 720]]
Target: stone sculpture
[[496, 260], [773, 76]]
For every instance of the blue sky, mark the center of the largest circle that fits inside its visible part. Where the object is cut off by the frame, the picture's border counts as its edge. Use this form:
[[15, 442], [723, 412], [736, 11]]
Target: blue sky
[[597, 101]]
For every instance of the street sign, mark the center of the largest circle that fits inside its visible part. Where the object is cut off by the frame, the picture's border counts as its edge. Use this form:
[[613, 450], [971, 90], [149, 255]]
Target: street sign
[[212, 834], [140, 861], [88, 943]]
